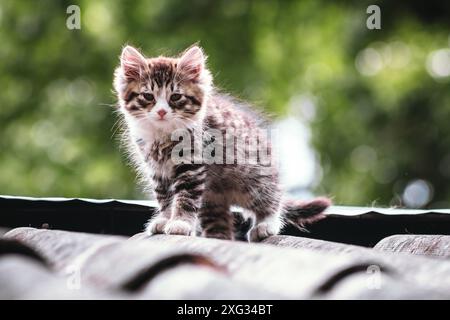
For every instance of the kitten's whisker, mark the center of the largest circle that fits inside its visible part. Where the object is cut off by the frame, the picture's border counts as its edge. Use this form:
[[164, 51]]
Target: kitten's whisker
[[118, 125], [111, 105]]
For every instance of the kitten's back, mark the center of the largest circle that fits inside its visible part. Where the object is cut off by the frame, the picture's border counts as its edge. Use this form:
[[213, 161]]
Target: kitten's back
[[230, 106]]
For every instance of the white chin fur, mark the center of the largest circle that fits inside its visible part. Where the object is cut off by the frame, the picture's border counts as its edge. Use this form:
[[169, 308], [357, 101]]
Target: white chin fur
[[152, 129]]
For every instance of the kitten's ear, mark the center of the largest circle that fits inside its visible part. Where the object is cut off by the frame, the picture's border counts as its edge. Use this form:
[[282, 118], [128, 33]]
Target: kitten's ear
[[133, 63], [192, 63]]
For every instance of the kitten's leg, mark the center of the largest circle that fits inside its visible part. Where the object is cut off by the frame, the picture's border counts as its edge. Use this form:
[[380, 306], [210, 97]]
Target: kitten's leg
[[215, 217], [164, 196], [188, 187], [269, 225], [267, 209]]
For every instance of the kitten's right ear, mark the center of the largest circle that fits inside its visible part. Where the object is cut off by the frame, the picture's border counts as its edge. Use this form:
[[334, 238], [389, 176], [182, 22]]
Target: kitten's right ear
[[133, 63]]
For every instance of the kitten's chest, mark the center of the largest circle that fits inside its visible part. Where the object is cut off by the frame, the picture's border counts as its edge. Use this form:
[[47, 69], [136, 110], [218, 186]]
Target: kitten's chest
[[157, 155], [160, 152]]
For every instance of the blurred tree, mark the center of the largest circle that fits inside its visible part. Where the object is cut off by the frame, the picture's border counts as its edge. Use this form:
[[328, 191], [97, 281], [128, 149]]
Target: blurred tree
[[381, 98]]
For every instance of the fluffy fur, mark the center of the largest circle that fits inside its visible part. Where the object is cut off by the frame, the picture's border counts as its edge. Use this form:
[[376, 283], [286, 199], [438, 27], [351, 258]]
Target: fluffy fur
[[159, 95]]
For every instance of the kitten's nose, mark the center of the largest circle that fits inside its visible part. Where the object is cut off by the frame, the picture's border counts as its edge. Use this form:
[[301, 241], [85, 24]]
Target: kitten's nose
[[162, 113]]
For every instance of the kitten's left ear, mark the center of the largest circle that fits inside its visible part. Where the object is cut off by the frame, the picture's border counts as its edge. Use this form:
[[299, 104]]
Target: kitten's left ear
[[192, 63]]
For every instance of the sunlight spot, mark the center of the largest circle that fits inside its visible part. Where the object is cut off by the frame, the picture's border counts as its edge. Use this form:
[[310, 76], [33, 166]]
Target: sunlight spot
[[296, 159], [417, 194], [438, 63], [98, 19], [369, 62], [79, 91], [399, 55], [44, 133], [303, 106]]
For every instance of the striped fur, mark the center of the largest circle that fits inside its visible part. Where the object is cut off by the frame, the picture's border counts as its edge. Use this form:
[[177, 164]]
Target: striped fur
[[196, 198]]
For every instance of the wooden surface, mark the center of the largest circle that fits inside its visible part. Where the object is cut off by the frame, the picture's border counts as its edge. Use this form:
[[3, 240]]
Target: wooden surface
[[425, 245]]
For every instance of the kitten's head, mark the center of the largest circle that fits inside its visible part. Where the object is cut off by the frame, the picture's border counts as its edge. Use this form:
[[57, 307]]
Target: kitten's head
[[162, 93]]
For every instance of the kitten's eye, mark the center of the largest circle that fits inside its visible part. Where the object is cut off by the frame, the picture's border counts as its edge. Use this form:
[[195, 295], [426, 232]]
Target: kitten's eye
[[148, 96], [175, 97]]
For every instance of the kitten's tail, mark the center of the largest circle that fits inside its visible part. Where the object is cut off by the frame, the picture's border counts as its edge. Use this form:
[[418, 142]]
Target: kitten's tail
[[300, 213]]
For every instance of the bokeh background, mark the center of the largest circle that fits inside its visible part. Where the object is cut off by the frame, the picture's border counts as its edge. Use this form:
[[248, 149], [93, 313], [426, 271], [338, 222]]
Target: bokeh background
[[364, 115]]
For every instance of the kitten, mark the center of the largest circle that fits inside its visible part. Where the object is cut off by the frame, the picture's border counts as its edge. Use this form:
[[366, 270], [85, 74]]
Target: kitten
[[160, 95]]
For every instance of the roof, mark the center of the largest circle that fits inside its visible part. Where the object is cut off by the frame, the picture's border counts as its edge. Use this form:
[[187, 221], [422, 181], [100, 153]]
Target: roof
[[38, 263]]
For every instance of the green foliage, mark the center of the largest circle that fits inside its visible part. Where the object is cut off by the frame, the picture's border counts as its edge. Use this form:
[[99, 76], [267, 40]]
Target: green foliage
[[381, 119]]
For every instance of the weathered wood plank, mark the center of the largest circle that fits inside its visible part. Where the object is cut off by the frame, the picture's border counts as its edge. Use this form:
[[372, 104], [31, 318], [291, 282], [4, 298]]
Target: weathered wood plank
[[427, 245]]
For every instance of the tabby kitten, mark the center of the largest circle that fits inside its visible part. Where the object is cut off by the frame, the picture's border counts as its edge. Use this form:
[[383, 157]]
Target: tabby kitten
[[160, 95]]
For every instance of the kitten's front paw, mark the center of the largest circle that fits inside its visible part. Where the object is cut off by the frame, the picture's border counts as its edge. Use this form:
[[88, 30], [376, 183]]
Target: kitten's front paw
[[263, 230], [179, 227], [156, 225]]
